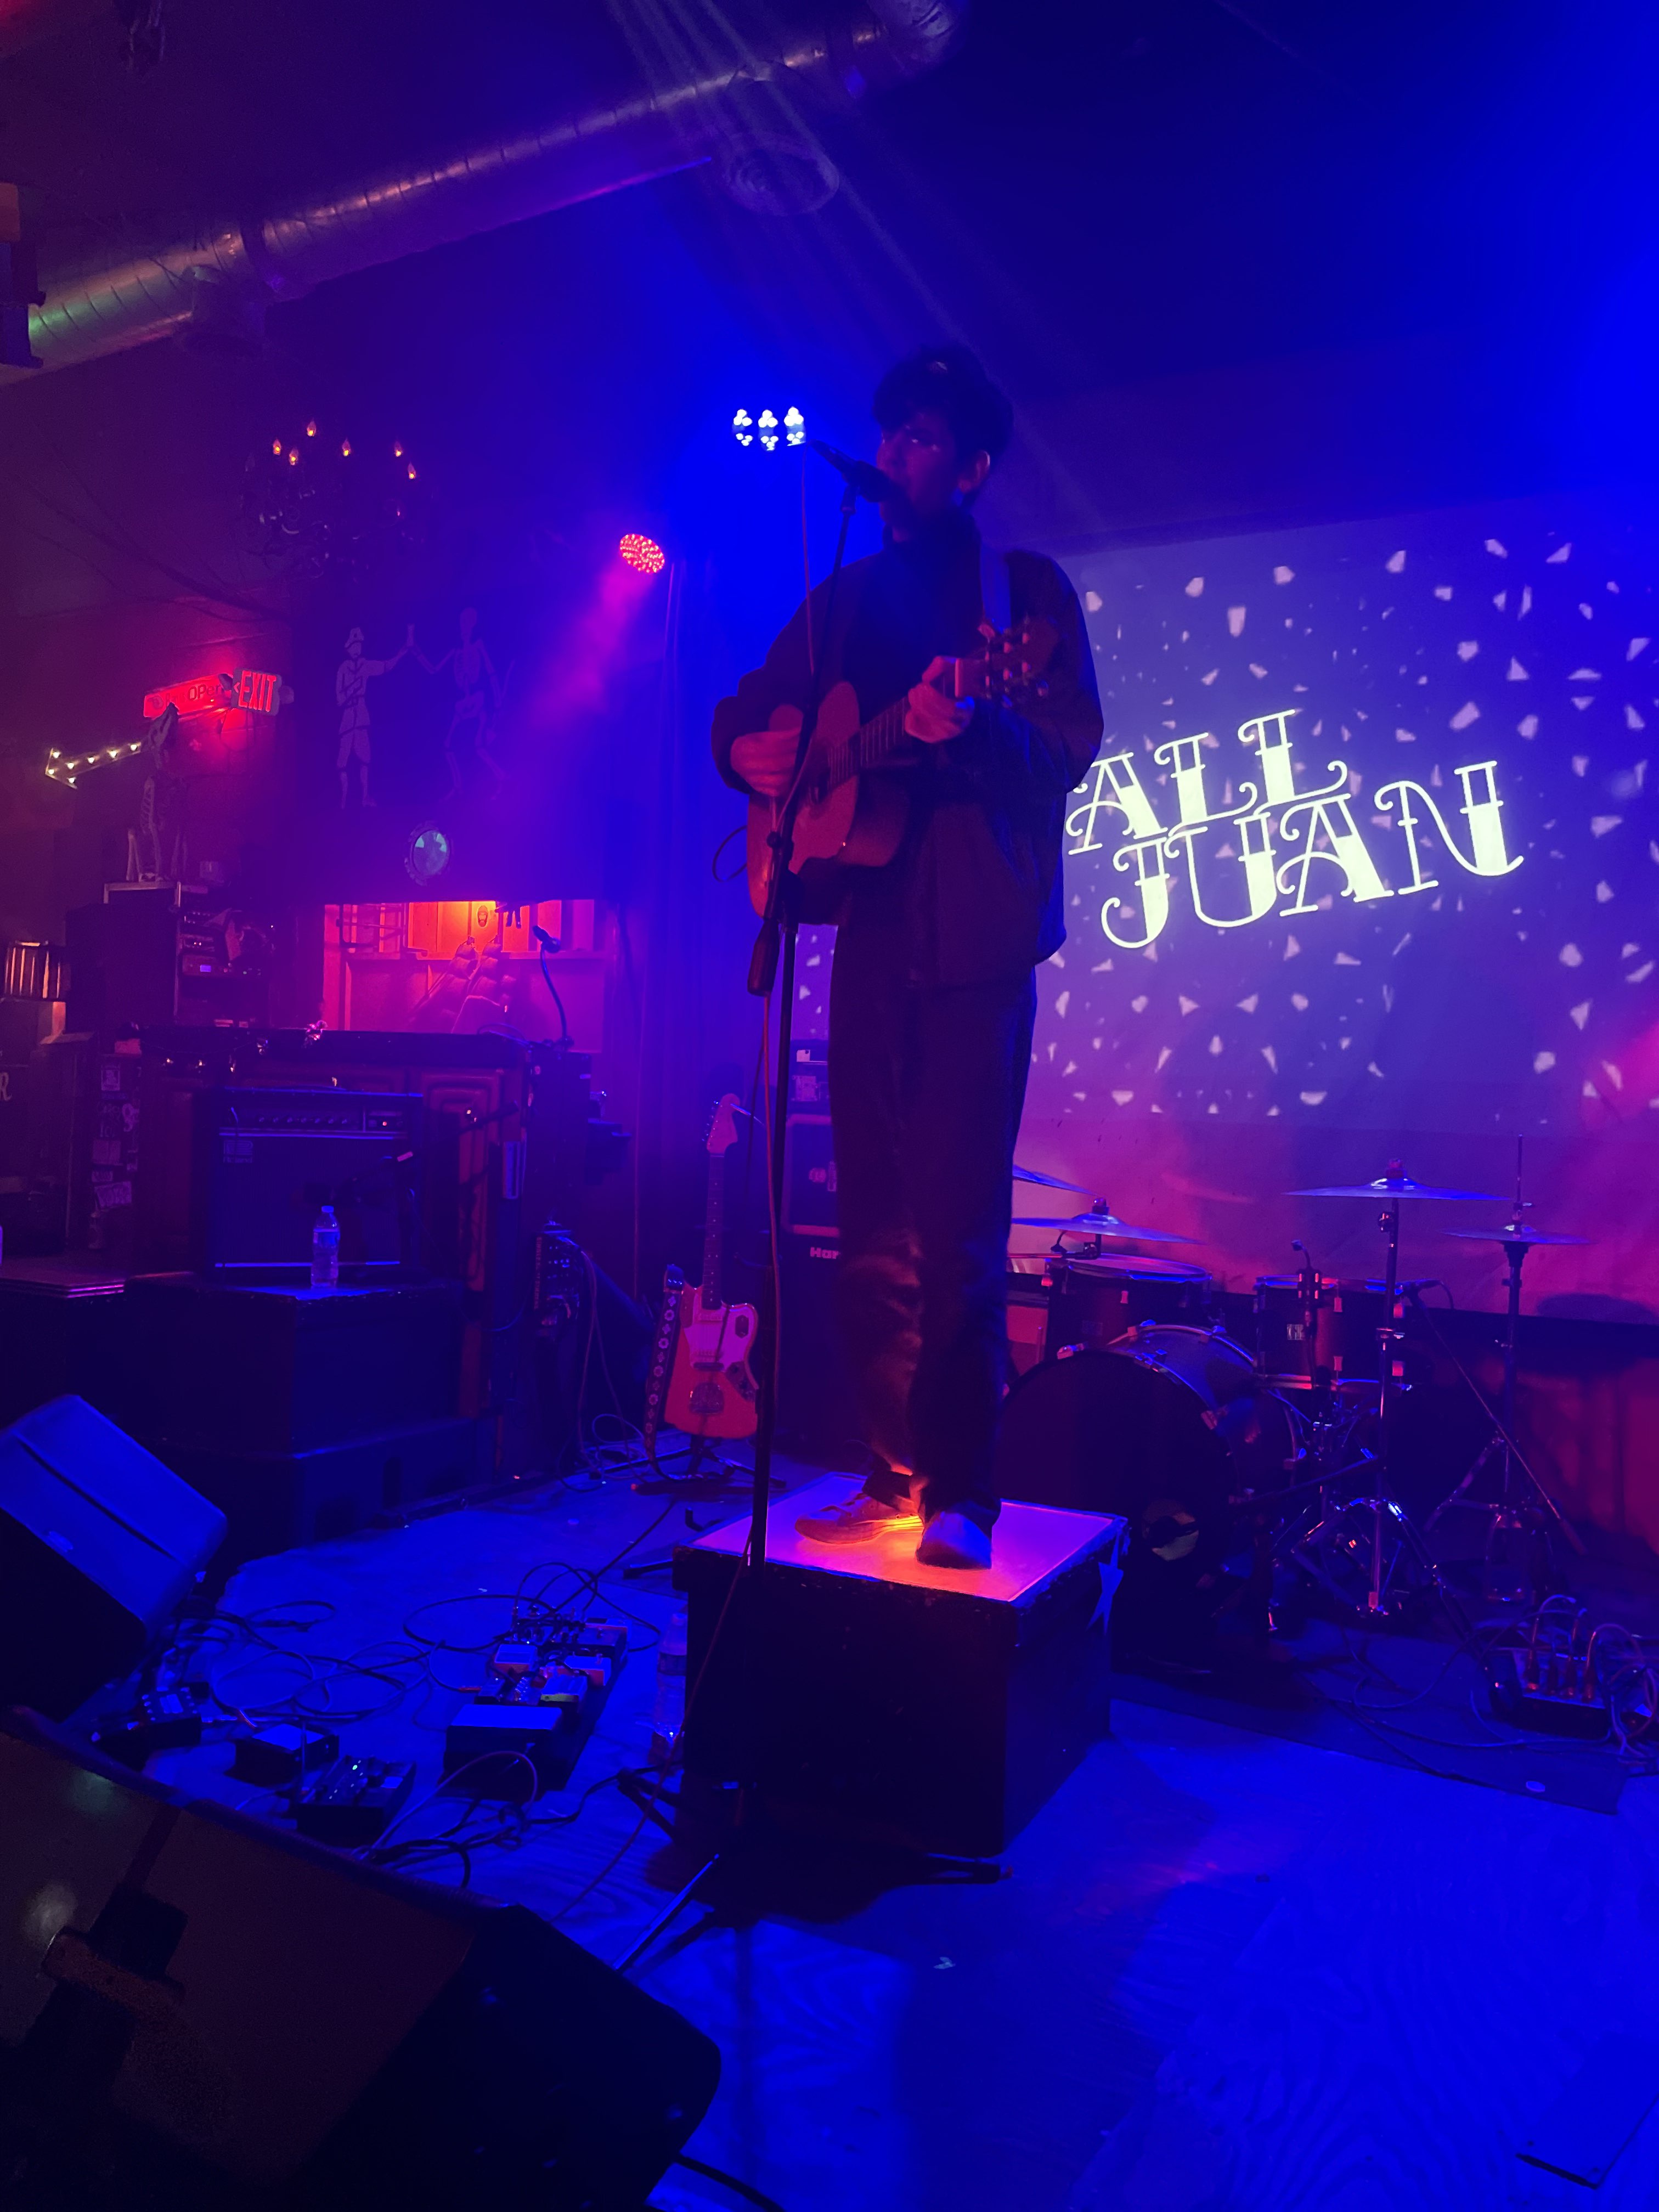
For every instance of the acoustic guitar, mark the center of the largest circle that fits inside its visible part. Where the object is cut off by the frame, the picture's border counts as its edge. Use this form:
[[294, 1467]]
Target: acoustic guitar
[[712, 1390], [846, 814]]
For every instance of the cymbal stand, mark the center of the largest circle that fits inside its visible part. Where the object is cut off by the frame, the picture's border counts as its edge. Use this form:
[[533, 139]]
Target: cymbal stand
[[1387, 1517], [1511, 1503]]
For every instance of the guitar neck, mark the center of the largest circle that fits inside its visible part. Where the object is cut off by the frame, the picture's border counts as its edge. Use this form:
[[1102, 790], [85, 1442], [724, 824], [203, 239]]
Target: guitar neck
[[875, 742], [867, 747], [714, 1233], [1010, 662]]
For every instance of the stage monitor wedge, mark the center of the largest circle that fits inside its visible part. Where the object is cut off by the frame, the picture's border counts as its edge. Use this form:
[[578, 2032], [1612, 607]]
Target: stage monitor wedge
[[254, 2023], [99, 1542]]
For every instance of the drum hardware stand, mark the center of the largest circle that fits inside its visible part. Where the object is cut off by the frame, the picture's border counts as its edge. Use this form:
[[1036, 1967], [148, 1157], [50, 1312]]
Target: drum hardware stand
[[1511, 1503], [1510, 1507], [1382, 1508]]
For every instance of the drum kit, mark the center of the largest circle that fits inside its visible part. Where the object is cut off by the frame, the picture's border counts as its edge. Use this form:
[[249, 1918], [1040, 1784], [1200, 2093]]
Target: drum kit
[[1234, 1465]]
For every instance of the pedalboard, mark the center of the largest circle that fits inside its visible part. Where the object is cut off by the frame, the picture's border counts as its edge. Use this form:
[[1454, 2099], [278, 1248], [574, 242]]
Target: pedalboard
[[354, 1802], [1556, 1693], [162, 1720], [546, 1686]]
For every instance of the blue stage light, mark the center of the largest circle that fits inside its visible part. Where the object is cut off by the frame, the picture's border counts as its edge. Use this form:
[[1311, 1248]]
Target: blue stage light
[[768, 430]]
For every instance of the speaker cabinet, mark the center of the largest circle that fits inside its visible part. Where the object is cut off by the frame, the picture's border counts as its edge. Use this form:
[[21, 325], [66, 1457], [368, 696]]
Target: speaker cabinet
[[99, 1542], [252, 2022]]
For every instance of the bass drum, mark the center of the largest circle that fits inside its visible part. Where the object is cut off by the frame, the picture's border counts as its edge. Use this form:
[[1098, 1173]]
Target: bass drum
[[1172, 1429]]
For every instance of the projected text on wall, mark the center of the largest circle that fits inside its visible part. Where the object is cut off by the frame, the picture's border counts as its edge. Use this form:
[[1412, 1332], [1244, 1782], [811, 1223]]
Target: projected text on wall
[[1224, 849]]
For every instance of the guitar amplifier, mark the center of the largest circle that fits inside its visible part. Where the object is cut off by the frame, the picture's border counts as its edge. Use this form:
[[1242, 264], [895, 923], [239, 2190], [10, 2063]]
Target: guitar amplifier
[[816, 1397], [809, 1152], [267, 1162]]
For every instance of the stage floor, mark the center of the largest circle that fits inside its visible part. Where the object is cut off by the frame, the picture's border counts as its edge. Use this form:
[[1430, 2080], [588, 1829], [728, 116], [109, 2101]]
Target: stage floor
[[1228, 1972]]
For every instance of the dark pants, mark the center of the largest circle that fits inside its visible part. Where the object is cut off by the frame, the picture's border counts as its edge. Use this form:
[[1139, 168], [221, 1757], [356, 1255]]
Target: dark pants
[[926, 1088]]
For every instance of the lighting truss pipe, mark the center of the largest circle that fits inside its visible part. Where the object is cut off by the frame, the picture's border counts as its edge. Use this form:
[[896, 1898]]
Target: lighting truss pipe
[[578, 156]]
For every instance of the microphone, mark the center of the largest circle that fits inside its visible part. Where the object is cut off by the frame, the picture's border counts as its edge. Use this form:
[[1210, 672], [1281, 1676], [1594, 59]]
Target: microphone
[[867, 480]]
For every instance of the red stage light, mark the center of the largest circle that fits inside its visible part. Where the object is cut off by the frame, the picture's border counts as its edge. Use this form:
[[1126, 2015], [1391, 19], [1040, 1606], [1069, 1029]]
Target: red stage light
[[643, 554]]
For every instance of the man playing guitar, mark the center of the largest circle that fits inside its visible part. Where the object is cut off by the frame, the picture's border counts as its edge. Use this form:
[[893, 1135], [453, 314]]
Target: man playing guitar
[[932, 995]]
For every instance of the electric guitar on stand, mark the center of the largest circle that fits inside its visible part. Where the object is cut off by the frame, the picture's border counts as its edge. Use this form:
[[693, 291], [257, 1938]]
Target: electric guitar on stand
[[846, 815], [712, 1391]]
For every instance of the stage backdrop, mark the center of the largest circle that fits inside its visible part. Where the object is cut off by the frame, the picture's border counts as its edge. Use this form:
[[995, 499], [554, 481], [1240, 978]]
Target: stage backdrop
[[1366, 868]]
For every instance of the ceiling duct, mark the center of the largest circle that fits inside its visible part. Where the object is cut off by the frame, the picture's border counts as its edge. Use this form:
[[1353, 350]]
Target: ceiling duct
[[222, 277]]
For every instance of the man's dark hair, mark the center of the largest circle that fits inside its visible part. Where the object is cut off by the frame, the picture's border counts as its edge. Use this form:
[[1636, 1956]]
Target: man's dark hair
[[948, 379]]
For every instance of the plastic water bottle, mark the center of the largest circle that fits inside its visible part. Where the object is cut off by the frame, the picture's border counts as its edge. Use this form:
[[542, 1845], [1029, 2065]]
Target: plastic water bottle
[[668, 1711], [325, 1252]]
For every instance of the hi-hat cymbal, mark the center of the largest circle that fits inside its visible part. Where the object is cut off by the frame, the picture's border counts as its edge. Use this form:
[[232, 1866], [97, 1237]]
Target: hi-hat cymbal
[[1391, 1187], [1518, 1232], [1050, 1182], [1099, 1224]]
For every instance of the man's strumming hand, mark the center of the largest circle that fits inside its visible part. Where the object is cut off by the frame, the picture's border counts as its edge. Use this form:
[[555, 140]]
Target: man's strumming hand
[[932, 715], [765, 759]]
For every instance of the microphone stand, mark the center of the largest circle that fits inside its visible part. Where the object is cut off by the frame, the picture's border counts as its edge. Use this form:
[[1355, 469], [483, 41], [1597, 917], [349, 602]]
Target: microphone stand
[[777, 934], [774, 950]]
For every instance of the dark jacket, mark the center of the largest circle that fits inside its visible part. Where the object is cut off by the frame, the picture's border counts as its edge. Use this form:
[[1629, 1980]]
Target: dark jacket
[[974, 893]]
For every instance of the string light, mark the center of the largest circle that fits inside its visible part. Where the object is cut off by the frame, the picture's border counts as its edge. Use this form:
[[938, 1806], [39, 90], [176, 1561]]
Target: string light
[[61, 768], [642, 553], [311, 430]]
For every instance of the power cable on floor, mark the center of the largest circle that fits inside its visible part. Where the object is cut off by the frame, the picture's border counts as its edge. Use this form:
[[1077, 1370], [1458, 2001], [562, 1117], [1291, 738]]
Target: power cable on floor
[[749, 2193]]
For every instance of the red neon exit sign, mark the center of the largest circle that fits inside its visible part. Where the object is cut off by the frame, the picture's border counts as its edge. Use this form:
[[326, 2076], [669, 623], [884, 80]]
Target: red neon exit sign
[[252, 689]]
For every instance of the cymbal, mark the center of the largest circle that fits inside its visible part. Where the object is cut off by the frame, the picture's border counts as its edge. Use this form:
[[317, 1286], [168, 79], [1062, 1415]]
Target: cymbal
[[1517, 1233], [1099, 1224], [1050, 1182], [1392, 1187]]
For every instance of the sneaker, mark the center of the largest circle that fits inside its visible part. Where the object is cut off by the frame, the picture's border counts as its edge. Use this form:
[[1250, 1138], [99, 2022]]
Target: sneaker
[[952, 1540], [860, 1519]]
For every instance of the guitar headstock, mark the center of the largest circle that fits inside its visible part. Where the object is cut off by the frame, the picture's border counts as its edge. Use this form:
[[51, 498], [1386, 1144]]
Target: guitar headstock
[[1013, 663], [723, 1124]]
